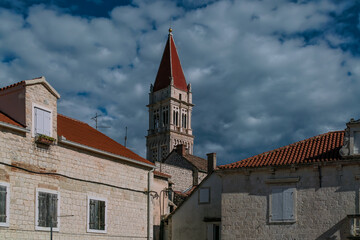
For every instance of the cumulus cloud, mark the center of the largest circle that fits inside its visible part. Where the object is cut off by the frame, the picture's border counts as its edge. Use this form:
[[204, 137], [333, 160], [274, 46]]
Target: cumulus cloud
[[263, 74]]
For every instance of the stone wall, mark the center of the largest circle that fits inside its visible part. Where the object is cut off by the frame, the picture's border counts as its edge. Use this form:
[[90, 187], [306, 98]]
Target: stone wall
[[126, 210], [323, 198], [182, 178]]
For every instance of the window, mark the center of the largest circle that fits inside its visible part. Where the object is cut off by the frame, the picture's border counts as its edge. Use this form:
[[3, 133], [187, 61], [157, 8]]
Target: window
[[47, 209], [204, 195], [213, 231], [282, 205], [42, 121], [4, 204], [96, 215], [154, 154], [163, 152], [356, 142]]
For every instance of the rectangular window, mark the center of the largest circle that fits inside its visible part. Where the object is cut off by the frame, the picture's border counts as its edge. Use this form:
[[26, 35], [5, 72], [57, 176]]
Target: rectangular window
[[213, 231], [4, 204], [204, 195], [356, 142], [97, 215], [282, 205], [47, 209], [42, 121]]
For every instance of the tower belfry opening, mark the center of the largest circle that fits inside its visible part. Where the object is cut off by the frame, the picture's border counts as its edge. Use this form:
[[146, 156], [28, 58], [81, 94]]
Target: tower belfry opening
[[170, 107]]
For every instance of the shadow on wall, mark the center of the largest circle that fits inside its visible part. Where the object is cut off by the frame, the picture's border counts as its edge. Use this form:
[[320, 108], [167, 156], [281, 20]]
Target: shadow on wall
[[332, 234]]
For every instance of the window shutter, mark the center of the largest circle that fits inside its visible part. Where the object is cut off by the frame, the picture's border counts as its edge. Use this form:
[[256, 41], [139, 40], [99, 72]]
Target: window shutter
[[3, 204], [39, 121], [288, 204], [356, 142], [276, 204], [47, 119], [102, 215], [42, 209], [92, 218], [53, 209]]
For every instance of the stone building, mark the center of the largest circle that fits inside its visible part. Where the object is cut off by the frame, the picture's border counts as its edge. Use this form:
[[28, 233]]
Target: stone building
[[170, 107], [306, 190], [59, 173], [170, 141]]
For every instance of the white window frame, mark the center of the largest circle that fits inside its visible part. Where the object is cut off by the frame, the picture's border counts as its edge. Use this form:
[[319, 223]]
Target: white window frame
[[6, 223], [37, 209], [209, 195], [35, 105], [283, 188], [90, 197]]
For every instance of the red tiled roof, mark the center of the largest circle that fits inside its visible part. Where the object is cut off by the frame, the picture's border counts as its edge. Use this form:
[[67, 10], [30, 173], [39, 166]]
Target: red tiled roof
[[12, 85], [161, 174], [80, 132], [170, 66], [321, 148], [7, 119]]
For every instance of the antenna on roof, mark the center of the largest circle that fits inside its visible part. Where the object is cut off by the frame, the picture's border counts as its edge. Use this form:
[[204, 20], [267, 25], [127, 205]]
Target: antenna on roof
[[96, 121], [125, 136]]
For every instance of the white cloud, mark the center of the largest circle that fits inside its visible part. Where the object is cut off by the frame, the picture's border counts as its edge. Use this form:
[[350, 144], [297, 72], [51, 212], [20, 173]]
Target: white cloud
[[257, 84]]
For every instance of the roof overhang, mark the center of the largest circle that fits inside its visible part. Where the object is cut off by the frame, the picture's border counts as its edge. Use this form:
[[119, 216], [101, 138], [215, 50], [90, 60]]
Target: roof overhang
[[42, 80], [63, 140]]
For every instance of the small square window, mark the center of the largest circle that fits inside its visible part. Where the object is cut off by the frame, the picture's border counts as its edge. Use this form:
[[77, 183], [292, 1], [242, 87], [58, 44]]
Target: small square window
[[282, 202], [47, 210], [4, 204], [96, 215], [204, 195]]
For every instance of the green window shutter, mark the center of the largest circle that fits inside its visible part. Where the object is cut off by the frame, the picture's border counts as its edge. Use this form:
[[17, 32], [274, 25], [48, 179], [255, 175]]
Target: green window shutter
[[3, 194], [102, 215], [42, 209]]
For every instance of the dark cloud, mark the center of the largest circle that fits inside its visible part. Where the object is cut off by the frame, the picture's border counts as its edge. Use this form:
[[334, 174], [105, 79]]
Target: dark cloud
[[263, 74]]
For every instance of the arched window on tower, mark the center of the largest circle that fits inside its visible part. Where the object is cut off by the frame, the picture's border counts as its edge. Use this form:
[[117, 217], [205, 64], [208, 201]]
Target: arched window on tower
[[156, 119], [183, 120]]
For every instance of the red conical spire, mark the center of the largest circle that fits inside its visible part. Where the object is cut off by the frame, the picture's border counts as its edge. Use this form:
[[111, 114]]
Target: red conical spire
[[170, 68]]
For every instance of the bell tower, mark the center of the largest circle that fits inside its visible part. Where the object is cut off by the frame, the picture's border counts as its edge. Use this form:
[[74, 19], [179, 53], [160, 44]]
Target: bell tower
[[170, 107]]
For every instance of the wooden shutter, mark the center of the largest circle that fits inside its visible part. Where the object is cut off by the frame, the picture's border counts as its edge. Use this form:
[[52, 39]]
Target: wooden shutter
[[93, 214], [3, 194], [43, 208], [102, 215], [288, 204], [53, 203], [47, 123], [277, 204], [39, 121]]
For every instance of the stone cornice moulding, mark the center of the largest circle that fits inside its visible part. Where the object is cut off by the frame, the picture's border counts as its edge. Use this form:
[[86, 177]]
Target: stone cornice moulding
[[63, 140], [43, 81]]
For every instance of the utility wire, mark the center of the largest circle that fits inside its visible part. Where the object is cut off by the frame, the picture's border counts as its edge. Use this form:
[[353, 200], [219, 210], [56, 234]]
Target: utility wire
[[73, 178]]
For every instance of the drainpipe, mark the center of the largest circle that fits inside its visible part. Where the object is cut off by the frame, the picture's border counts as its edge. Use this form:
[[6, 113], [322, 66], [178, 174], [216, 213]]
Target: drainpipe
[[149, 204]]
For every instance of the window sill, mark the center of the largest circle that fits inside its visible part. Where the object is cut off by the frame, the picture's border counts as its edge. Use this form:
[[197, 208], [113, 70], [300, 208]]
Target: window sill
[[96, 231], [4, 224], [46, 229], [284, 222]]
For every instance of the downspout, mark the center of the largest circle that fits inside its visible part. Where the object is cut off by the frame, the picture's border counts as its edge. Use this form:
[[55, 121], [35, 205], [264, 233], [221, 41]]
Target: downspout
[[149, 204]]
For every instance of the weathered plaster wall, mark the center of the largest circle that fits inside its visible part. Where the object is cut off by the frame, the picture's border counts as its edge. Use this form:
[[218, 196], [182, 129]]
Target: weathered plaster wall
[[188, 220], [322, 199]]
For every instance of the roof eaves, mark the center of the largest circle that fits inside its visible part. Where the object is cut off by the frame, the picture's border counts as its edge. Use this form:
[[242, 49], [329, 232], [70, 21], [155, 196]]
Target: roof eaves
[[63, 140], [42, 80], [14, 127]]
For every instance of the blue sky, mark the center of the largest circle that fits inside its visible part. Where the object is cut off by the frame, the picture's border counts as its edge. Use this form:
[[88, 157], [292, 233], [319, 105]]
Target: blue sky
[[264, 74]]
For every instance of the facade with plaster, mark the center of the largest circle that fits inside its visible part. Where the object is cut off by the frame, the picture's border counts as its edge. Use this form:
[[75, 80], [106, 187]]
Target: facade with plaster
[[306, 190], [60, 173]]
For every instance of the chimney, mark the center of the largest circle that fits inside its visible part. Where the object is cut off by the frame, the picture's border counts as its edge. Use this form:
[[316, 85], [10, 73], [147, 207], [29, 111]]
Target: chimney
[[195, 177], [180, 149], [211, 162]]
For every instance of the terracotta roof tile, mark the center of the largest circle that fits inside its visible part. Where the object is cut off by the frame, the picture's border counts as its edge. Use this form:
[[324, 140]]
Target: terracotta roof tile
[[321, 148], [198, 162], [12, 85], [170, 67], [161, 174], [80, 132], [7, 119]]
